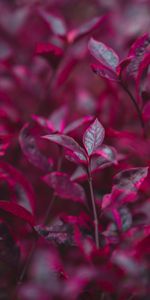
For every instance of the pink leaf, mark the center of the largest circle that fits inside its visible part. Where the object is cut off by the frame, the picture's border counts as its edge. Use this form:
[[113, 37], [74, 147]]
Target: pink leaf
[[68, 143], [93, 137], [105, 55], [84, 29], [50, 52], [17, 210], [104, 72], [58, 118], [71, 156], [77, 123], [107, 152], [146, 111], [137, 51], [20, 185], [97, 163], [123, 65], [56, 24], [58, 233], [64, 187], [131, 179], [145, 62], [5, 140], [31, 151]]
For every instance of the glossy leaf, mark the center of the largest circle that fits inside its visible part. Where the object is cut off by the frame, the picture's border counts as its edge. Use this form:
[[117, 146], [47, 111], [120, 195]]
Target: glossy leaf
[[105, 55], [131, 179], [77, 123], [107, 152], [64, 187], [68, 143], [17, 211], [137, 51], [93, 137]]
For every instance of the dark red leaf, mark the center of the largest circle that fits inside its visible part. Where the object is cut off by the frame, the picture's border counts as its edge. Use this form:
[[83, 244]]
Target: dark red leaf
[[50, 52], [58, 233], [131, 179], [31, 151], [64, 187], [143, 65], [77, 123], [5, 140], [20, 185], [84, 29], [104, 72], [68, 143], [137, 51], [17, 210]]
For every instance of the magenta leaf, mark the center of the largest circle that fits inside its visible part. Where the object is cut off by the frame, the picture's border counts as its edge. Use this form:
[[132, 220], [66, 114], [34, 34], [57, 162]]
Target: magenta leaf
[[137, 51], [143, 65], [22, 190], [107, 152], [93, 137], [71, 156], [97, 163], [56, 24], [68, 143], [122, 218], [43, 122], [104, 72], [123, 65], [127, 184], [105, 55], [77, 123], [31, 151], [64, 187], [50, 52], [17, 210], [84, 29], [58, 119], [131, 179], [4, 143], [58, 233], [146, 111]]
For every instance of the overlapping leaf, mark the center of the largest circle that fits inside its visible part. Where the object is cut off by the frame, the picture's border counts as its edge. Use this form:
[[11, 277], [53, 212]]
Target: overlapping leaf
[[64, 187], [31, 151]]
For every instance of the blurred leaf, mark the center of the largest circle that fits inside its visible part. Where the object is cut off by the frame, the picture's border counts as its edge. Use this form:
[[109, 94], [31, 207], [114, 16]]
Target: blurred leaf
[[64, 187]]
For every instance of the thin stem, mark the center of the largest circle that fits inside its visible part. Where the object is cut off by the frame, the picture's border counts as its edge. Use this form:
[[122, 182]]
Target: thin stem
[[135, 105], [26, 265], [47, 216], [95, 215]]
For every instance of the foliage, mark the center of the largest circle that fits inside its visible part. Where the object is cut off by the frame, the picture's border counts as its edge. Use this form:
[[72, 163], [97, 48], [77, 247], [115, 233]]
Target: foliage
[[74, 150]]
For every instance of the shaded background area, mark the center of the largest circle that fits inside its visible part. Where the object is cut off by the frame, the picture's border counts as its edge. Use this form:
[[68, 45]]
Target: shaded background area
[[45, 74]]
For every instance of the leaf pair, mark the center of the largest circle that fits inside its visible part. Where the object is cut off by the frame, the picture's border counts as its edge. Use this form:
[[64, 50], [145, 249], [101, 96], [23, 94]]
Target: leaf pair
[[92, 139], [109, 65]]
